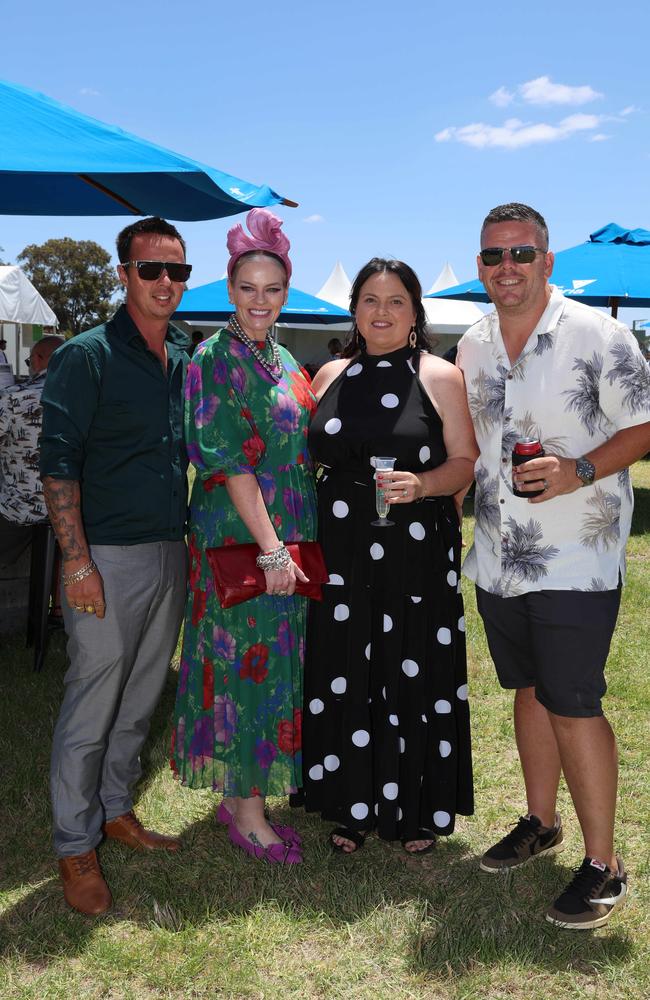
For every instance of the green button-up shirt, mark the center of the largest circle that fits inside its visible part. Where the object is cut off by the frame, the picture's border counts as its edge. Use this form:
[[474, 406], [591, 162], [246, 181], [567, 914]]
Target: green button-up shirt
[[113, 421]]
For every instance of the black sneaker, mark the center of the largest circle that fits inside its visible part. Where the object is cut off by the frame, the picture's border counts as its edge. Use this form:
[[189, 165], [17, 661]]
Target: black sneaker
[[528, 840], [591, 898]]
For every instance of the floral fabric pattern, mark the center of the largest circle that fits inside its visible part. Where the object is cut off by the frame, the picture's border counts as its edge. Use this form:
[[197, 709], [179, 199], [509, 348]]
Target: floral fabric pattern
[[237, 723], [21, 490], [579, 380]]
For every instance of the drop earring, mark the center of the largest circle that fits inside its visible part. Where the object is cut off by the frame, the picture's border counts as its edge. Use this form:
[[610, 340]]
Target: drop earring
[[413, 338]]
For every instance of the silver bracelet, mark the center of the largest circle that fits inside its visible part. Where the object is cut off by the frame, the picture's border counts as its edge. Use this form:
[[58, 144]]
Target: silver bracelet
[[277, 559], [78, 575]]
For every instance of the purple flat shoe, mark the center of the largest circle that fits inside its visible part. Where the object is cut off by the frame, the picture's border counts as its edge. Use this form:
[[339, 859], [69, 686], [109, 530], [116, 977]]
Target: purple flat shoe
[[285, 853], [223, 815]]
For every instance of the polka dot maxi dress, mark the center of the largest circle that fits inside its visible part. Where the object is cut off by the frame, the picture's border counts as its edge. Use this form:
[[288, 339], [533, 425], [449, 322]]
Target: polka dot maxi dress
[[386, 735]]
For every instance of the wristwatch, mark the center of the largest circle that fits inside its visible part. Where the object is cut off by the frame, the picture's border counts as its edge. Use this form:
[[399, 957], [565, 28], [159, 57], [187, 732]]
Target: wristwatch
[[585, 471]]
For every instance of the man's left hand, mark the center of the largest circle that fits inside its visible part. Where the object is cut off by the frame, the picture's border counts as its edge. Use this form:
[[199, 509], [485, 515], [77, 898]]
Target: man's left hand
[[556, 475]]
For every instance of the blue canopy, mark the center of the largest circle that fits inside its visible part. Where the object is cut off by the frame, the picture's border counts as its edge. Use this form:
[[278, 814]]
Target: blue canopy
[[56, 161], [210, 303], [611, 269]]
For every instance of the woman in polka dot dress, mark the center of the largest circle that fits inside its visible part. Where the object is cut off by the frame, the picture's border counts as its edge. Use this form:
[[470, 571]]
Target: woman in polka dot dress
[[386, 737]]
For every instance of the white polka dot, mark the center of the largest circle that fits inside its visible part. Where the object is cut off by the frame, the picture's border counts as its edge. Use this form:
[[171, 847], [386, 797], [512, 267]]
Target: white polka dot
[[441, 818], [394, 721], [384, 364], [361, 738], [335, 580], [331, 762], [383, 693], [425, 453], [444, 636], [459, 588], [451, 555], [444, 747], [376, 809], [316, 772], [410, 668], [462, 692], [340, 508], [452, 578], [461, 623], [359, 810], [316, 706], [377, 551], [402, 744], [339, 685], [390, 790], [333, 426], [442, 706], [368, 651], [390, 400], [424, 719], [388, 623], [416, 600], [354, 370], [341, 613], [399, 813], [416, 531]]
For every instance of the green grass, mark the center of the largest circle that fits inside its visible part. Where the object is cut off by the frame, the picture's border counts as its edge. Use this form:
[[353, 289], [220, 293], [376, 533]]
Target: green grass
[[210, 922]]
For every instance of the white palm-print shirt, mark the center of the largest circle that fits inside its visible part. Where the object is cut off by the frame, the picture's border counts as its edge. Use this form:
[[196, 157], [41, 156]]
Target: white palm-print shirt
[[21, 490], [580, 378]]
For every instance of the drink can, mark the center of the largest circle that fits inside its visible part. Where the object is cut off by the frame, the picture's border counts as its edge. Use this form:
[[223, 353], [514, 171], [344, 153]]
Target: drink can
[[524, 450]]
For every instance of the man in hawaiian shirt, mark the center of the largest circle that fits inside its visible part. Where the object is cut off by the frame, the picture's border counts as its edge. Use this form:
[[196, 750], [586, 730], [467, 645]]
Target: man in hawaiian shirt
[[548, 570], [21, 490]]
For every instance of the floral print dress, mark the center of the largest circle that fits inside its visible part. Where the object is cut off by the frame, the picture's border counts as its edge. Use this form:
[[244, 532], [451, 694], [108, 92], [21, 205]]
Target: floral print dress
[[237, 722]]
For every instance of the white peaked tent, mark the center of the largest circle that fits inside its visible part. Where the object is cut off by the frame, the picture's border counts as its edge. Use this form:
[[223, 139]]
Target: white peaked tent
[[19, 300], [337, 287], [447, 316]]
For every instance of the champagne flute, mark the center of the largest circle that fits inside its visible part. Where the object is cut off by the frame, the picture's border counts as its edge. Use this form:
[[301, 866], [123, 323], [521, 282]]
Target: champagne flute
[[382, 464]]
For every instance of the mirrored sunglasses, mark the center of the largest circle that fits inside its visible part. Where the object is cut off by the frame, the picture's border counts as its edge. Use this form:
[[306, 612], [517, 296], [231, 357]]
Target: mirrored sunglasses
[[150, 270], [492, 256]]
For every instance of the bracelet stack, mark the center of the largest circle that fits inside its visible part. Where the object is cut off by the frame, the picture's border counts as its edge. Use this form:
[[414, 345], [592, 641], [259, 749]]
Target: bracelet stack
[[79, 574], [275, 559]]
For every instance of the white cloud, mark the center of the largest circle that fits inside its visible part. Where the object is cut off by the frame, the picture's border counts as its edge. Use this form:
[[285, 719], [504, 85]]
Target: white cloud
[[515, 134], [542, 90], [89, 92], [629, 110], [502, 97], [314, 218], [599, 137]]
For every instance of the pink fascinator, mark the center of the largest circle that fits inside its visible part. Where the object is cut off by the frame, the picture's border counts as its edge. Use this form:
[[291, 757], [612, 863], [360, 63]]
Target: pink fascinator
[[265, 234]]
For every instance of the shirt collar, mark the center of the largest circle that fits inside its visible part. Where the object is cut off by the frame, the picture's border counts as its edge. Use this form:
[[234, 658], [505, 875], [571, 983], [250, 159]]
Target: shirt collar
[[125, 328]]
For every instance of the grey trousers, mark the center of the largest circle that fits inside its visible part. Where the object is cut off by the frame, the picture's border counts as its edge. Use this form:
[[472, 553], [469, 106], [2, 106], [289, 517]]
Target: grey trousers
[[117, 673]]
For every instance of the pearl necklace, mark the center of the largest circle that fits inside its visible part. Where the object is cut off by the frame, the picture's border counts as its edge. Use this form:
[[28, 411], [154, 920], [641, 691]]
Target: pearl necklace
[[274, 366]]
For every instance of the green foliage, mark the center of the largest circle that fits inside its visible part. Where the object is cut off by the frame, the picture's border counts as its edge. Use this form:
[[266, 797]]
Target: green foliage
[[75, 277]]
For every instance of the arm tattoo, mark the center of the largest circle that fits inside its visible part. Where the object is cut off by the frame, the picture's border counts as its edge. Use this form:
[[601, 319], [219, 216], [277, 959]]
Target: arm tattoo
[[63, 500]]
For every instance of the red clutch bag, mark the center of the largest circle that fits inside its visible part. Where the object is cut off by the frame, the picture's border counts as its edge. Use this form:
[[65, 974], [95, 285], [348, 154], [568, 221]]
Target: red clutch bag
[[237, 577]]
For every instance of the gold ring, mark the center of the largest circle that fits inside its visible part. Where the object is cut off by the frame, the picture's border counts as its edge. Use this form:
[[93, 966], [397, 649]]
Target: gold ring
[[405, 491], [90, 608], [78, 607]]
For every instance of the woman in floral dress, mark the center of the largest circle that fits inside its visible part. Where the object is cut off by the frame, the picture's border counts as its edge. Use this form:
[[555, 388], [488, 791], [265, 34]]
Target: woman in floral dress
[[237, 726]]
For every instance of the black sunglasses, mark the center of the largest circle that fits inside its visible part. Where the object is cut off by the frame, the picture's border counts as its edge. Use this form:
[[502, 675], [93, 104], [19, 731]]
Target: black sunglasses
[[150, 270], [492, 256]]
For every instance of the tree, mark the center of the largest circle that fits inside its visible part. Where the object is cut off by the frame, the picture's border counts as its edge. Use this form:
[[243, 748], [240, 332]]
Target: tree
[[76, 279]]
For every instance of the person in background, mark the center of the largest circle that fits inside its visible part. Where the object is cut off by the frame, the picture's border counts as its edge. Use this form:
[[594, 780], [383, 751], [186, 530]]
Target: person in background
[[237, 723], [113, 464], [386, 717], [335, 348], [21, 490], [548, 569], [4, 360]]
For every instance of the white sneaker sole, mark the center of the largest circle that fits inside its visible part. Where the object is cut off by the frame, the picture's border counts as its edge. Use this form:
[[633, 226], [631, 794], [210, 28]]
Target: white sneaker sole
[[591, 924], [547, 853]]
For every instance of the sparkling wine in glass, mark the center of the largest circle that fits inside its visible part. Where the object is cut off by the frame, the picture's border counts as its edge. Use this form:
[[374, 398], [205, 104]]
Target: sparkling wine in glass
[[382, 464]]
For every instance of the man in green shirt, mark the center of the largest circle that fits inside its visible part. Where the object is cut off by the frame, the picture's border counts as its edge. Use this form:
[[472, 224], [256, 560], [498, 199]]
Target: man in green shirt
[[113, 466]]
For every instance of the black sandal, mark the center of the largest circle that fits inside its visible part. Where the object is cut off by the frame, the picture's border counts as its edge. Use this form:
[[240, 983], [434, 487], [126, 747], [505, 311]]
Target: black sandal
[[422, 834], [355, 836]]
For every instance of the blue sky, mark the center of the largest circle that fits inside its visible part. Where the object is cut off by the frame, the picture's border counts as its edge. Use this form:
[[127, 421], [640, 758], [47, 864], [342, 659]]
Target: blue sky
[[396, 126]]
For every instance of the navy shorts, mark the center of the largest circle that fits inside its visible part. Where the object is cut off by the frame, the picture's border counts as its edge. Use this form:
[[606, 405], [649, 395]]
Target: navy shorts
[[556, 641]]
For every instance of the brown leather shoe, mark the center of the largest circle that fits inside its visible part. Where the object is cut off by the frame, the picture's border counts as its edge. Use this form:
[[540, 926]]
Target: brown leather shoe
[[129, 830], [84, 887]]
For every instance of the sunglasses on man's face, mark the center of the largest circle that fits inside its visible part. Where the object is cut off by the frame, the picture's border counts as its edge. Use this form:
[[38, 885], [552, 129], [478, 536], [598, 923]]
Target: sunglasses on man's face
[[492, 256], [150, 270]]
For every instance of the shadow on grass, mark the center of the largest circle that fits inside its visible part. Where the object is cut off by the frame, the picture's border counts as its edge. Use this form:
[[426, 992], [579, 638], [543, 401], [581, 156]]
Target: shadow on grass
[[453, 917], [641, 516]]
